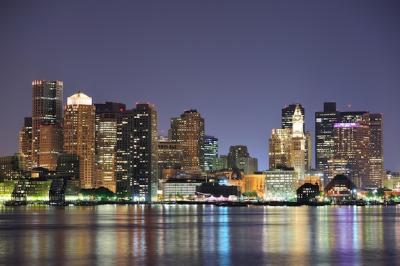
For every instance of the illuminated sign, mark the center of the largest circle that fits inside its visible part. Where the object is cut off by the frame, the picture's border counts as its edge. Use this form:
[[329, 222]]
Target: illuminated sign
[[346, 125]]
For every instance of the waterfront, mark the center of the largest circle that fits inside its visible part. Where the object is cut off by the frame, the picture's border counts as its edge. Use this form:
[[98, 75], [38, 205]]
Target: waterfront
[[198, 235]]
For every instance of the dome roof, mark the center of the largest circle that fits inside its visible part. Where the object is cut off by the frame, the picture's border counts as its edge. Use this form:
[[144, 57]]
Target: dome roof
[[79, 98]]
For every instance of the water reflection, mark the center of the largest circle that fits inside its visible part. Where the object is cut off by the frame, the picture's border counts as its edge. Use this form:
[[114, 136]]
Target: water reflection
[[198, 235]]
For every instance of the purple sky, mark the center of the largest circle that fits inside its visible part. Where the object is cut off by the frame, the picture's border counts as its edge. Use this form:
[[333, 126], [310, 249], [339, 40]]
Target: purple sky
[[237, 62]]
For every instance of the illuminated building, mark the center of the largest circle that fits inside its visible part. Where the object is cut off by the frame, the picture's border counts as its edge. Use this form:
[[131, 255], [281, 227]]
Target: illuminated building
[[239, 158], [137, 154], [290, 147], [281, 185], [392, 181], [6, 189], [50, 146], [179, 189], [31, 189], [46, 110], [324, 142], [25, 144], [307, 193], [255, 183], [189, 130], [376, 159], [287, 115], [107, 117], [351, 149], [79, 135], [350, 143], [341, 188], [279, 147], [170, 156], [210, 152]]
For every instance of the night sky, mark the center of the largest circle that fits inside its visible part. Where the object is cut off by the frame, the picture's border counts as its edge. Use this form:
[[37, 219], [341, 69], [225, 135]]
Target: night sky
[[237, 62]]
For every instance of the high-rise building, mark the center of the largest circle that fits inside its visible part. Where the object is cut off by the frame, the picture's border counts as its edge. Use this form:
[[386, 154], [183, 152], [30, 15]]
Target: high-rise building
[[25, 144], [376, 159], [79, 135], [350, 143], [46, 110], [279, 148], [351, 151], [210, 152], [189, 130], [290, 147], [137, 154], [239, 158], [287, 115], [170, 156], [107, 117], [324, 143], [50, 146]]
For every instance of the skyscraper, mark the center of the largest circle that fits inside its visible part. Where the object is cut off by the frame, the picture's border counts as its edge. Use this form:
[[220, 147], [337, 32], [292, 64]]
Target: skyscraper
[[107, 117], [298, 151], [290, 146], [50, 145], [137, 154], [210, 152], [324, 143], [25, 144], [351, 151], [189, 130], [46, 110], [287, 115], [170, 156], [79, 135], [279, 148], [376, 159]]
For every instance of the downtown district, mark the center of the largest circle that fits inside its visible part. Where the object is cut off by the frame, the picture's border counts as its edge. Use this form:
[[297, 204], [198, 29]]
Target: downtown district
[[85, 152]]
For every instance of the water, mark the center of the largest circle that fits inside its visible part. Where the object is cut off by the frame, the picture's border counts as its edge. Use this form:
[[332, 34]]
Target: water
[[199, 235]]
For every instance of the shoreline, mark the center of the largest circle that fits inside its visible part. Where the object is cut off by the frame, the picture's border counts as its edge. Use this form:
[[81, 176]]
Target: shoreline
[[218, 204]]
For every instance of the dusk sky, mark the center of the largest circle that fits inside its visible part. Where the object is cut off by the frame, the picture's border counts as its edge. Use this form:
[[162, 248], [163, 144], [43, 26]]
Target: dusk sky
[[237, 62]]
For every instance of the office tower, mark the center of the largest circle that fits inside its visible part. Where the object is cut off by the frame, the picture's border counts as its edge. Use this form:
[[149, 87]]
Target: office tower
[[239, 158], [290, 147], [46, 110], [137, 154], [279, 148], [351, 150], [107, 117], [287, 115], [189, 130], [298, 147], [324, 143], [376, 159], [210, 152], [25, 144], [79, 135], [50, 146], [170, 156]]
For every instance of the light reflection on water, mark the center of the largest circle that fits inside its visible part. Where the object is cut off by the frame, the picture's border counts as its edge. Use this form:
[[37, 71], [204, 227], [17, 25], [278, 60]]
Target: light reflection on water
[[199, 235]]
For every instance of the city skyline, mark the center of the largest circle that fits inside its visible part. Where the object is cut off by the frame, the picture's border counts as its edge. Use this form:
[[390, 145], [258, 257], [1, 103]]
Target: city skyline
[[238, 70]]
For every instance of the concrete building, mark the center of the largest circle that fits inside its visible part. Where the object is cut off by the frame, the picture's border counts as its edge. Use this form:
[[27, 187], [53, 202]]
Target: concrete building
[[137, 154], [79, 135], [189, 130], [47, 97], [106, 125], [281, 185]]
